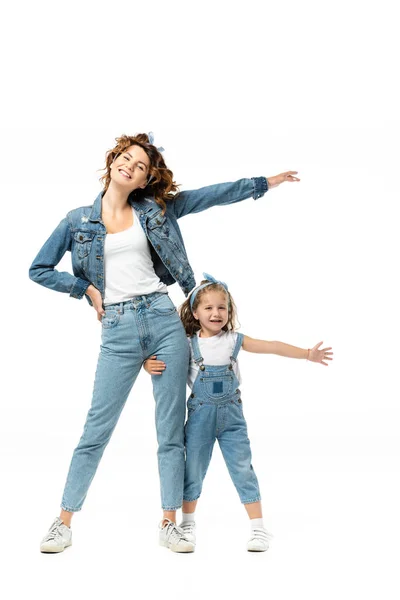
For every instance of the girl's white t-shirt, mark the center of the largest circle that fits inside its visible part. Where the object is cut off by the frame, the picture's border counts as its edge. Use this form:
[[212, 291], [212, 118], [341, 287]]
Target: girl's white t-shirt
[[129, 269], [215, 350]]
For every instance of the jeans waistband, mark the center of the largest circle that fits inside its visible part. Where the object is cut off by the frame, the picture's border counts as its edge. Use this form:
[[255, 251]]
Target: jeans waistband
[[135, 301]]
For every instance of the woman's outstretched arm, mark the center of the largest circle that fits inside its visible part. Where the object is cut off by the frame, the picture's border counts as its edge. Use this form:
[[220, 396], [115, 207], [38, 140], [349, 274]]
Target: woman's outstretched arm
[[192, 201]]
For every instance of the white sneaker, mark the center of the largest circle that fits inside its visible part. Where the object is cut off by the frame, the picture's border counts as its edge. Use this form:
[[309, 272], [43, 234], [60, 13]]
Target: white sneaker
[[58, 537], [189, 529], [259, 540], [172, 537]]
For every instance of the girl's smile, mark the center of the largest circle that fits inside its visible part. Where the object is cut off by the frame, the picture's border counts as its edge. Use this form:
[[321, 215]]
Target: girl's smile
[[212, 313]]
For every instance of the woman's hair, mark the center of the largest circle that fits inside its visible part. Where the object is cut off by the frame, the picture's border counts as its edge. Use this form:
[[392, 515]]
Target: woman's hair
[[162, 185], [191, 324]]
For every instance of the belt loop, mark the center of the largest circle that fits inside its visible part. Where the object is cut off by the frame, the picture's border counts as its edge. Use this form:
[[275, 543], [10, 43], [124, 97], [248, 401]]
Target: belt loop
[[121, 308]]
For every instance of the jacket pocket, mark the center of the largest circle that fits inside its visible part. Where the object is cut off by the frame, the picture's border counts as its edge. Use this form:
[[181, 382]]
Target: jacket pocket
[[159, 225], [83, 242]]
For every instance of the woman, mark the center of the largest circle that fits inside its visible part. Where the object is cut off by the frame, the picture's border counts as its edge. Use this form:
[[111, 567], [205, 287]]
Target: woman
[[126, 249]]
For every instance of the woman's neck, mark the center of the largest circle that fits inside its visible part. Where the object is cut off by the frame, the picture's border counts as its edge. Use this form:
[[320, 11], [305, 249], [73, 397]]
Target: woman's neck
[[115, 200]]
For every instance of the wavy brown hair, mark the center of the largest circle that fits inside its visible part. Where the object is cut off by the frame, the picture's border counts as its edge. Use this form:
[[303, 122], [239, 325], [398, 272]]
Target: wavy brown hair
[[191, 324], [162, 185]]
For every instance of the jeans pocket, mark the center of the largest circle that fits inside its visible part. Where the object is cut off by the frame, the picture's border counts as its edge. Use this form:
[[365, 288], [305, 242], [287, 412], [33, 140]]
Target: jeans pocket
[[110, 319], [162, 305]]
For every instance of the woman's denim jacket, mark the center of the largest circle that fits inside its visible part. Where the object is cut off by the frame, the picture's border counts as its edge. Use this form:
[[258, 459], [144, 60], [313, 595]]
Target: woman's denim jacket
[[82, 232]]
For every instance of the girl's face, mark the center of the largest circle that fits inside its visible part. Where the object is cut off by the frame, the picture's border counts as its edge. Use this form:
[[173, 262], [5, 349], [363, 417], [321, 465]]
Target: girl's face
[[130, 169], [212, 312]]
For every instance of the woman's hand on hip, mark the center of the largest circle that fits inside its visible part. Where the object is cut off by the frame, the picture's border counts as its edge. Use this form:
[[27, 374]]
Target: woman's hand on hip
[[278, 179], [154, 366], [97, 301]]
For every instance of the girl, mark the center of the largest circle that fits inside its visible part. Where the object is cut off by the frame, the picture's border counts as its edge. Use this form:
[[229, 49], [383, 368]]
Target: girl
[[214, 406], [126, 249]]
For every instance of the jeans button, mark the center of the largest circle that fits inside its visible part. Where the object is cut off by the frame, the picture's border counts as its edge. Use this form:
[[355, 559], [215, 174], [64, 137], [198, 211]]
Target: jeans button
[[192, 395], [239, 400]]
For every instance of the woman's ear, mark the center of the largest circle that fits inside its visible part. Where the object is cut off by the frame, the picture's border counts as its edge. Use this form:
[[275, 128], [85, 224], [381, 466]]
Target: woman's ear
[[195, 316]]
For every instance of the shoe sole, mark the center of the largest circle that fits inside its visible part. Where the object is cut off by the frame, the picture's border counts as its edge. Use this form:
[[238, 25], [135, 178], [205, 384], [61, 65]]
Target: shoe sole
[[174, 548], [54, 549]]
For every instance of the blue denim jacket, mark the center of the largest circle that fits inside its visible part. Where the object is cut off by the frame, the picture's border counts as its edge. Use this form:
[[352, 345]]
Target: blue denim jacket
[[82, 232]]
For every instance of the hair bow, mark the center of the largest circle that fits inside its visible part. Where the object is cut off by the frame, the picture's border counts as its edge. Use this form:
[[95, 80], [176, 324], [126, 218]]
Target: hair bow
[[210, 281]]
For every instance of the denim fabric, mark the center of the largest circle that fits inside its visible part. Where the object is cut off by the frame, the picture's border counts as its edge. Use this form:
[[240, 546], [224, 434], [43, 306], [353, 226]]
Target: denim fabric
[[131, 332], [215, 413], [82, 232]]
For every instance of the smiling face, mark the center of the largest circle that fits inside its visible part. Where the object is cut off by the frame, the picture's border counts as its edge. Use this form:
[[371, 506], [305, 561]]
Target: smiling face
[[130, 169], [212, 312]]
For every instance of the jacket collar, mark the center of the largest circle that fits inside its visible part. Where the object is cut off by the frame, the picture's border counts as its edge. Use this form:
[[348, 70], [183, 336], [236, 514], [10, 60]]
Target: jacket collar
[[143, 205]]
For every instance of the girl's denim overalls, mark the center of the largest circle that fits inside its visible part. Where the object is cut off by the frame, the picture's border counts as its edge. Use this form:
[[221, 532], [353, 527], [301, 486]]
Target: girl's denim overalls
[[215, 412]]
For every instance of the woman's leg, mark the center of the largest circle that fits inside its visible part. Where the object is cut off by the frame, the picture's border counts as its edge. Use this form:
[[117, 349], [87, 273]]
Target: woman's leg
[[170, 395], [119, 363]]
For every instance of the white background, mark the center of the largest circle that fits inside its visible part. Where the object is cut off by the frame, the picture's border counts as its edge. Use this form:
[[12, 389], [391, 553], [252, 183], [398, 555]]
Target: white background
[[230, 90]]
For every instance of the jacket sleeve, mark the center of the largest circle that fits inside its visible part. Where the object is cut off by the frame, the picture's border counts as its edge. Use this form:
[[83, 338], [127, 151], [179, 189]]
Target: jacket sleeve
[[42, 269], [192, 201]]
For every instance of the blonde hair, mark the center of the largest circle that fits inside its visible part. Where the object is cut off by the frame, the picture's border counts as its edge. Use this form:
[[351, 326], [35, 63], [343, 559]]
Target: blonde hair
[[191, 324]]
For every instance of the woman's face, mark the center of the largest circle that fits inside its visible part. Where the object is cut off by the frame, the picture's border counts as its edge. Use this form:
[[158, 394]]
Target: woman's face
[[130, 169], [212, 312]]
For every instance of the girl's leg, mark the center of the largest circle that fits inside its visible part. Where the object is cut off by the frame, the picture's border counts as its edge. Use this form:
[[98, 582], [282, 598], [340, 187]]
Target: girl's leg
[[254, 510], [189, 507]]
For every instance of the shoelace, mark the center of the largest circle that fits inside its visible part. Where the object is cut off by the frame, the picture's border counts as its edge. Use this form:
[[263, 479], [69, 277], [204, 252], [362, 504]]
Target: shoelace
[[53, 532], [175, 532], [261, 534]]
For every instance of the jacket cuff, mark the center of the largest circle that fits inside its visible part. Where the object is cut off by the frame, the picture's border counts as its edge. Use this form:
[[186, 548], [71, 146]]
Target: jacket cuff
[[79, 288], [260, 187]]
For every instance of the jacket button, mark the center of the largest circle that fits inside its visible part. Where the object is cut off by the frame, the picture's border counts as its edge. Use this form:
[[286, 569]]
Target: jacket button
[[168, 262], [158, 247], [239, 400], [192, 395], [81, 237], [230, 367], [158, 222], [202, 368], [237, 391]]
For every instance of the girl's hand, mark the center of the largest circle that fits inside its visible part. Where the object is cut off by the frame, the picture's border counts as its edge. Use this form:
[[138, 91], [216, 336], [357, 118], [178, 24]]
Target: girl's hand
[[316, 355], [154, 366], [278, 179], [97, 300]]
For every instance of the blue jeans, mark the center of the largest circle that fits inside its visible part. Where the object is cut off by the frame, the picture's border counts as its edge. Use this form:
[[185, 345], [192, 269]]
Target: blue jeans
[[131, 332]]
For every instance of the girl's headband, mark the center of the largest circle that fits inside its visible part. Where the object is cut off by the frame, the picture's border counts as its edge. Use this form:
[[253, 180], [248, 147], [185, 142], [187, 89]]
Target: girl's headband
[[210, 281]]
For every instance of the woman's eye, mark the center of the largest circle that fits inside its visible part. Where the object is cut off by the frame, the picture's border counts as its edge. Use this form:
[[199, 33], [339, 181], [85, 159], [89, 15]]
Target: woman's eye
[[126, 157], [141, 168]]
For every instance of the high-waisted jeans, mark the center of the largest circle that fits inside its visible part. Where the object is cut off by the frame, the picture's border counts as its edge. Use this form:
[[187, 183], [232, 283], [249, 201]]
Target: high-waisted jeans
[[131, 332]]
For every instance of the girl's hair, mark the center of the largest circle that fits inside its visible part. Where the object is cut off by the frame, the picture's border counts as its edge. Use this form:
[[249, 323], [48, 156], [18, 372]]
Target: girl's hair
[[191, 324], [162, 185]]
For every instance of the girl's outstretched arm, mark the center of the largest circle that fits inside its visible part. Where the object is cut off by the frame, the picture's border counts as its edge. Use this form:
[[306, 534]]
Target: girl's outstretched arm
[[281, 349]]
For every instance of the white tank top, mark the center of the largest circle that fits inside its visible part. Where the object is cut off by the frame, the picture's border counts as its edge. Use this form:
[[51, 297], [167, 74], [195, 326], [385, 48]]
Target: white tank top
[[215, 350], [129, 269]]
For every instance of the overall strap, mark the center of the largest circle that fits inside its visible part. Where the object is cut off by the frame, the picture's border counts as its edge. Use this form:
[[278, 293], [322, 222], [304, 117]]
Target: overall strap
[[238, 345], [194, 342]]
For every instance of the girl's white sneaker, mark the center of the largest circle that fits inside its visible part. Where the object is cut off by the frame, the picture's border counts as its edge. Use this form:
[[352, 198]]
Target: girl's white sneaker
[[189, 529], [58, 537], [172, 537], [259, 540]]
